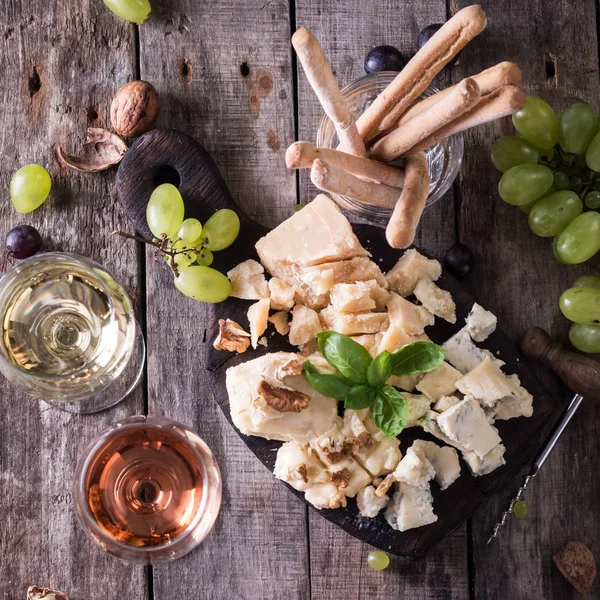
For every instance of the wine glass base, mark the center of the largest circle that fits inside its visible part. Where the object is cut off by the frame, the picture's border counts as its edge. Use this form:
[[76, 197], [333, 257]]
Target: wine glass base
[[118, 390]]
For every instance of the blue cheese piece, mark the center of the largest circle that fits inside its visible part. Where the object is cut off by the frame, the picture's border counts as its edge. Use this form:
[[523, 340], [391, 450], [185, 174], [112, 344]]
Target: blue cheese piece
[[439, 382], [463, 354], [443, 459], [410, 268], [415, 469], [410, 507], [418, 405], [369, 504], [436, 300], [429, 423], [297, 465], [467, 424], [408, 317], [483, 465], [488, 384], [445, 402], [511, 407], [480, 323]]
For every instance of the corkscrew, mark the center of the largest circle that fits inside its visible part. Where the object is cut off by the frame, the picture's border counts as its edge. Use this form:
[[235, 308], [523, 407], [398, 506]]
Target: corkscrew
[[580, 373]]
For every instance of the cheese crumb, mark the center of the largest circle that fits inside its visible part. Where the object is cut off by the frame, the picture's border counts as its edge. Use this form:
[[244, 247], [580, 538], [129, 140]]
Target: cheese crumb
[[248, 281], [258, 315], [305, 325]]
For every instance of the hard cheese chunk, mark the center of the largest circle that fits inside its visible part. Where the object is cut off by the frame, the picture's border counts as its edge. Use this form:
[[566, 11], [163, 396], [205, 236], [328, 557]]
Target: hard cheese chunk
[[252, 415], [305, 325], [358, 297], [436, 300], [297, 465], [418, 405], [353, 323], [467, 424], [488, 384], [443, 459], [445, 402], [370, 341], [316, 234], [280, 320], [486, 464], [415, 469], [463, 354], [410, 507], [282, 294], [248, 281], [481, 323], [410, 268], [258, 316], [368, 503], [395, 337], [439, 382], [408, 317]]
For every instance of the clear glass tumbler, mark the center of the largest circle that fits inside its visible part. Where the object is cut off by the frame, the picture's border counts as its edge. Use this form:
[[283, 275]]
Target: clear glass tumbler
[[147, 490], [69, 334], [444, 159]]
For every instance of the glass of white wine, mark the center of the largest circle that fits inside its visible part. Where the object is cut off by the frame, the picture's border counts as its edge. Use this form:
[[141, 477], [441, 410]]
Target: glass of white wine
[[69, 334]]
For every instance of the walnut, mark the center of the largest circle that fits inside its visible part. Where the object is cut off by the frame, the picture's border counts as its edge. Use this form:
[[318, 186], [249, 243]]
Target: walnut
[[338, 500], [341, 478], [134, 108], [300, 473], [333, 449], [384, 486], [282, 399], [231, 337], [363, 440], [38, 593], [576, 562], [293, 367]]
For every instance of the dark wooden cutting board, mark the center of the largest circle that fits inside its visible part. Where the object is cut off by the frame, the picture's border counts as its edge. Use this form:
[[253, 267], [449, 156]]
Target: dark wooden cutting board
[[172, 156]]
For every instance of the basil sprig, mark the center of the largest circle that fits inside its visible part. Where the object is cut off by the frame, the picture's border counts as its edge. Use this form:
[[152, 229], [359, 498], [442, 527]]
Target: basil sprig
[[362, 379]]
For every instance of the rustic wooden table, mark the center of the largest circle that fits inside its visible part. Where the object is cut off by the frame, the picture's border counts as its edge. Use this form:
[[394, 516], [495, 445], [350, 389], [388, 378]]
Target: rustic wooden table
[[226, 75]]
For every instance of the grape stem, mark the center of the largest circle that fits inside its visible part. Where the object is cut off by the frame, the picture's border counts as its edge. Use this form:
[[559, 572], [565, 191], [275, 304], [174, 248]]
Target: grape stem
[[162, 245]]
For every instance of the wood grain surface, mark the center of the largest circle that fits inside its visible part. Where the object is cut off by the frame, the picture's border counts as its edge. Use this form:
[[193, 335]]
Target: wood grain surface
[[226, 76]]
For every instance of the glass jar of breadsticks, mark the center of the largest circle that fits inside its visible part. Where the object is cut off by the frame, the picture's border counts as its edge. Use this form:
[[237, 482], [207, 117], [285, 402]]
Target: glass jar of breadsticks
[[443, 159]]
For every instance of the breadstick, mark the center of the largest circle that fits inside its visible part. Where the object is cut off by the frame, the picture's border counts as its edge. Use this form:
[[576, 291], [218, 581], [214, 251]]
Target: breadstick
[[402, 227], [504, 73], [336, 181], [420, 70], [300, 155], [321, 78], [500, 103], [464, 96]]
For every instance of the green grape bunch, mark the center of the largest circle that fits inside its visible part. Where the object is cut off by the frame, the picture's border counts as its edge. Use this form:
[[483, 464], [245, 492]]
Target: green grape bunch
[[187, 246], [551, 171]]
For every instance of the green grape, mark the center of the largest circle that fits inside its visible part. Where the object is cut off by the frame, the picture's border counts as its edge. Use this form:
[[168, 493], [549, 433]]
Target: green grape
[[165, 211], [29, 188], [555, 251], [190, 232], [510, 151], [585, 337], [588, 281], [562, 181], [592, 154], [520, 509], [135, 11], [524, 183], [581, 239], [205, 257], [221, 230], [592, 200], [378, 560], [526, 208], [552, 214], [185, 258], [581, 305], [203, 284], [577, 127], [537, 123]]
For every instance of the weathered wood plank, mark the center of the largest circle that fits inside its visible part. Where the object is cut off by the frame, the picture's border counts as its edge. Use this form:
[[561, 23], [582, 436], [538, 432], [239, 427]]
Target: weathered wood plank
[[347, 31], [50, 93], [224, 75], [517, 277]]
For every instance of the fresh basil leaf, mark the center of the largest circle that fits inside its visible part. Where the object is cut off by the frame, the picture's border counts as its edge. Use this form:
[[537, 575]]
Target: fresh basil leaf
[[350, 358], [380, 369], [389, 411], [418, 357], [332, 386], [360, 396]]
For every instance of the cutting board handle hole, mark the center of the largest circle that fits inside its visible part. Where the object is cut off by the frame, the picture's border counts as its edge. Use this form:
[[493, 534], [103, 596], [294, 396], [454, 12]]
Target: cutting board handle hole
[[167, 174]]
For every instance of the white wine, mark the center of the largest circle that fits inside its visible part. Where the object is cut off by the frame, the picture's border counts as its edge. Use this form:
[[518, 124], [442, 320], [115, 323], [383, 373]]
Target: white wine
[[68, 328]]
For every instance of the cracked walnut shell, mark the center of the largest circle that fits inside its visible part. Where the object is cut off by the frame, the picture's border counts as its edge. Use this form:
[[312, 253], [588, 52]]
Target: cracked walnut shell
[[232, 337], [39, 593], [576, 562], [134, 109]]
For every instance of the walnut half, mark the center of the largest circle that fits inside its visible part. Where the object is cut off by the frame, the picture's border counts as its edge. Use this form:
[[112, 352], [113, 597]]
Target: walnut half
[[38, 593], [576, 562], [341, 478], [232, 337], [384, 486], [338, 500], [362, 440], [282, 399]]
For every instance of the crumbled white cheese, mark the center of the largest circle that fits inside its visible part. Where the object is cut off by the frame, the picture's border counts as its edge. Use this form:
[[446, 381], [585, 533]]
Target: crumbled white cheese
[[411, 267], [368, 503], [248, 281], [445, 402], [355, 476], [436, 300], [282, 294], [481, 323], [297, 465]]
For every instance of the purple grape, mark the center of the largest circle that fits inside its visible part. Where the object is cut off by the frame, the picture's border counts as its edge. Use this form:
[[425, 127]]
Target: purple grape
[[459, 260], [384, 58], [23, 241], [427, 33]]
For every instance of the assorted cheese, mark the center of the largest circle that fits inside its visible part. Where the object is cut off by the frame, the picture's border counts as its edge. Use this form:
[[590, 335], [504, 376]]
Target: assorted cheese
[[321, 278]]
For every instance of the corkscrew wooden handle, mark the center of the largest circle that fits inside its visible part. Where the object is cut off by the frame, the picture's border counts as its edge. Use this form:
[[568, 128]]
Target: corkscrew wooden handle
[[581, 373]]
